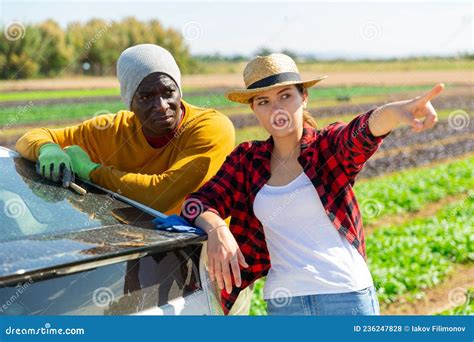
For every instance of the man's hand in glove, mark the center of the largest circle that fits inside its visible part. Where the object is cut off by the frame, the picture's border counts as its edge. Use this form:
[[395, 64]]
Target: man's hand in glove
[[54, 164], [81, 162]]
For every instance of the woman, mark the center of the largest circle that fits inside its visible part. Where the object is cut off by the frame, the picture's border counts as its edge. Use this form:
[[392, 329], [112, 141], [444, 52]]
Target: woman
[[291, 198]]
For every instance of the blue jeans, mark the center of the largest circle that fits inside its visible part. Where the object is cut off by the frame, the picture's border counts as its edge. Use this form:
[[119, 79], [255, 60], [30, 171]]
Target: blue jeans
[[362, 302]]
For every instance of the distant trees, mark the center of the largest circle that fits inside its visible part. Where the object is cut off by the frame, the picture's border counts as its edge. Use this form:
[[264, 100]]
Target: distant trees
[[92, 48]]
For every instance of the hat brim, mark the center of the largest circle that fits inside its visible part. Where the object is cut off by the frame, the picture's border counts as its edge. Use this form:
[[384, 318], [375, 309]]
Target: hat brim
[[245, 95]]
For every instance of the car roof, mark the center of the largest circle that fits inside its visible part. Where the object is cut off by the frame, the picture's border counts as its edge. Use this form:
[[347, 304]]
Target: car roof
[[110, 231]]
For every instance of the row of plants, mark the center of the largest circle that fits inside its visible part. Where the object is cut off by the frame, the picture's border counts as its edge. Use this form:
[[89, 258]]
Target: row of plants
[[410, 190], [406, 259]]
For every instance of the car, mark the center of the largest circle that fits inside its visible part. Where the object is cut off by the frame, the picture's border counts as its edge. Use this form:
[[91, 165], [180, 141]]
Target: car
[[62, 253]]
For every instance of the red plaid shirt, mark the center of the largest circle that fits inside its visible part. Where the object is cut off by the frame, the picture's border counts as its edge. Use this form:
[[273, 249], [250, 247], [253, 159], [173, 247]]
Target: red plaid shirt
[[331, 158]]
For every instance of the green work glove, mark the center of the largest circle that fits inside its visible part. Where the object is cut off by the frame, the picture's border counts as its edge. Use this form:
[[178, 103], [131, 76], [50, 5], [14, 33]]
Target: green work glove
[[54, 164], [81, 163]]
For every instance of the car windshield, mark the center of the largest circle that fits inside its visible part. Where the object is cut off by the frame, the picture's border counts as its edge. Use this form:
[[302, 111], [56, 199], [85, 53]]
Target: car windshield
[[33, 205]]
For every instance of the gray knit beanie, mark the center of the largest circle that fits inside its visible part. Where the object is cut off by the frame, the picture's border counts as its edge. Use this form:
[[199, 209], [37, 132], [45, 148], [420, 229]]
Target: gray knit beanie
[[139, 61]]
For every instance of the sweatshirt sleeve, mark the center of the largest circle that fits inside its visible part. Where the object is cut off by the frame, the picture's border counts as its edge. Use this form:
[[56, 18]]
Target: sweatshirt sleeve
[[207, 145], [83, 135]]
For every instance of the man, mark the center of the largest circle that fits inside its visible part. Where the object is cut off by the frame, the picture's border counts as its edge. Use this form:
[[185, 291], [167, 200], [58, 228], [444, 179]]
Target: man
[[156, 153]]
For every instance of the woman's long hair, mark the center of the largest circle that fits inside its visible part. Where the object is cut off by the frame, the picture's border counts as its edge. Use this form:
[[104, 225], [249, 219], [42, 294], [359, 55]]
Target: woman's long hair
[[307, 117]]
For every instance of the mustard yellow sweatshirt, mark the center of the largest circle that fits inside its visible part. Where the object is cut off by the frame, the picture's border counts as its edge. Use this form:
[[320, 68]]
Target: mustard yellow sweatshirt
[[159, 178]]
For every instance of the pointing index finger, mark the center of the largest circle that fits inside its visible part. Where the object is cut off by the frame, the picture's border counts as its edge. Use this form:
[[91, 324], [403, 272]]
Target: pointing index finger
[[435, 91]]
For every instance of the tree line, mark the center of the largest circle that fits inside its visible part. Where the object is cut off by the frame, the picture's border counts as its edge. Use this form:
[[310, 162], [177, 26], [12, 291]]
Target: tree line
[[91, 48]]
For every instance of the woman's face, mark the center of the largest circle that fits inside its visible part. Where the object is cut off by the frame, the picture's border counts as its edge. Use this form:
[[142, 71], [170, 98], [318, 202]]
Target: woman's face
[[280, 110]]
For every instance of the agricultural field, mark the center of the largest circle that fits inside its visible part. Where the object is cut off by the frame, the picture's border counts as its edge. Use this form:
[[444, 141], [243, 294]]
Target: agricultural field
[[416, 193], [419, 224]]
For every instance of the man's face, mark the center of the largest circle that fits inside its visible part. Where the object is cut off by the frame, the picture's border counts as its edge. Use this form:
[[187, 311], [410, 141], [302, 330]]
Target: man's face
[[156, 103]]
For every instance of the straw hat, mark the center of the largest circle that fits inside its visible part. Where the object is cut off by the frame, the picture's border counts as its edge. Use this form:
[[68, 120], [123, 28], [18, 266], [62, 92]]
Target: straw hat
[[267, 72]]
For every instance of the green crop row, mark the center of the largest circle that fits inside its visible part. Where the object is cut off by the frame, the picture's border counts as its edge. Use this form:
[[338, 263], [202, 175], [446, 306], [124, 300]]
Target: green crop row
[[419, 254], [410, 190]]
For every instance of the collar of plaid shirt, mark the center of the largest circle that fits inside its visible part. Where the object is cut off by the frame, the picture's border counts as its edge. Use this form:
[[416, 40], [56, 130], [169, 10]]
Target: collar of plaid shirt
[[331, 158]]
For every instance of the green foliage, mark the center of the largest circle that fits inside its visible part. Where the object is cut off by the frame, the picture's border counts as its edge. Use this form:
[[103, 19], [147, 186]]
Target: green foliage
[[60, 112], [410, 190], [344, 92], [91, 48], [33, 95], [258, 307], [419, 254]]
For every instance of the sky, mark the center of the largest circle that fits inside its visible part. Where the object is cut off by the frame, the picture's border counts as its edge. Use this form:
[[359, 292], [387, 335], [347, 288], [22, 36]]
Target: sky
[[325, 29]]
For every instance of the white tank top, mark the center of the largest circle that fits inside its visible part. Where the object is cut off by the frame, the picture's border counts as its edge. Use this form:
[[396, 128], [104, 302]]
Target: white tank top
[[308, 255]]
